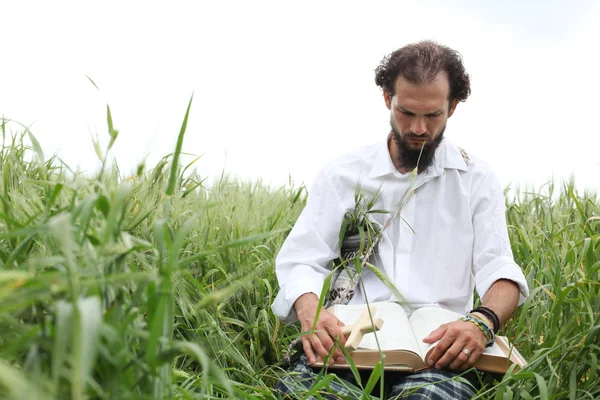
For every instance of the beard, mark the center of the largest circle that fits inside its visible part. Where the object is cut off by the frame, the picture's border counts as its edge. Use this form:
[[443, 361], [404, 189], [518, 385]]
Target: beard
[[408, 157]]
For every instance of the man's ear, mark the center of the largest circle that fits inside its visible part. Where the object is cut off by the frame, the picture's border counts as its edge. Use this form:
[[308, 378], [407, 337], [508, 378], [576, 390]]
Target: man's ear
[[388, 99], [453, 105]]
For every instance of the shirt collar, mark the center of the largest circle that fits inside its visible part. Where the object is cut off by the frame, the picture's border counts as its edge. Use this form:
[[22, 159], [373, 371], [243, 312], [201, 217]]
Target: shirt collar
[[447, 156], [383, 164]]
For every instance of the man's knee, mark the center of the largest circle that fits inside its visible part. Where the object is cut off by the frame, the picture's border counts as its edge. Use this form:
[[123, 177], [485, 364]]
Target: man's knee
[[433, 385]]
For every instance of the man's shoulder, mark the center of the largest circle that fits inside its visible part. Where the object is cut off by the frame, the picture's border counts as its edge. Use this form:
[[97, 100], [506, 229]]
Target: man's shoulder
[[478, 166], [478, 170], [474, 165], [360, 160]]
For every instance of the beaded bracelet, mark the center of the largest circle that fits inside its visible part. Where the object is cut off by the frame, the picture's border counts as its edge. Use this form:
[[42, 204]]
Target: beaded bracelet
[[490, 314], [487, 331], [481, 316]]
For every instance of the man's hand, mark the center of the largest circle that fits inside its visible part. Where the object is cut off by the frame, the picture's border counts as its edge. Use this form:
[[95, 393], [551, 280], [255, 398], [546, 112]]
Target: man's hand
[[320, 342], [453, 338]]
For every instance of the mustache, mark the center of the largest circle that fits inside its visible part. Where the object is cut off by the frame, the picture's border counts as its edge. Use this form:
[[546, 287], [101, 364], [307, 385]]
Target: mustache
[[417, 137]]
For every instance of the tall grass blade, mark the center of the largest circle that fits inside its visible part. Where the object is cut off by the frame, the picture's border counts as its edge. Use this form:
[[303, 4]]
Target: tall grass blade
[[63, 334], [175, 164], [17, 385], [87, 320]]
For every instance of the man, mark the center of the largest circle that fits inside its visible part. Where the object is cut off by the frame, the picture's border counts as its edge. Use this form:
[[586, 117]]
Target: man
[[451, 238]]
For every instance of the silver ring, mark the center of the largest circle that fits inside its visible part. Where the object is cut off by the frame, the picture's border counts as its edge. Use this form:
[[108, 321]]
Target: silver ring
[[467, 352]]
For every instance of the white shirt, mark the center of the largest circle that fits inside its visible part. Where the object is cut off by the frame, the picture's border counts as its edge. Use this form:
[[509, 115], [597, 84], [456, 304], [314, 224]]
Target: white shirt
[[460, 239]]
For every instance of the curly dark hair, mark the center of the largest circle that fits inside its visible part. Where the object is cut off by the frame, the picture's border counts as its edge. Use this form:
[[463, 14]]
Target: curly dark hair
[[420, 63]]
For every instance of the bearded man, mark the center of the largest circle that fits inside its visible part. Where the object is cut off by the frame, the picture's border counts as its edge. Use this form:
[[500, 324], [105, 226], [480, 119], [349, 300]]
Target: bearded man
[[452, 238]]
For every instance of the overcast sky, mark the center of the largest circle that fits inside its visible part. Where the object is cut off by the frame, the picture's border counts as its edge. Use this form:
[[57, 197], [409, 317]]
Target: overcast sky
[[282, 87]]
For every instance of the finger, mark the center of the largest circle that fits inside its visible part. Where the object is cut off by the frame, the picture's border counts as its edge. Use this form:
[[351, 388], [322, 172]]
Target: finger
[[308, 350], [335, 330], [460, 360], [341, 337], [318, 346], [441, 347], [475, 354], [450, 355], [436, 334], [328, 347], [332, 334]]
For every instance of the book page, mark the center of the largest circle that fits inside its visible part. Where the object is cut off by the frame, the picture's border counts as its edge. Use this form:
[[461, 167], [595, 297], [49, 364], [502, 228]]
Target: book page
[[395, 333], [427, 319]]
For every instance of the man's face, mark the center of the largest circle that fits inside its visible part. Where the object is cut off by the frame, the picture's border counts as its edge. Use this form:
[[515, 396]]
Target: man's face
[[418, 118]]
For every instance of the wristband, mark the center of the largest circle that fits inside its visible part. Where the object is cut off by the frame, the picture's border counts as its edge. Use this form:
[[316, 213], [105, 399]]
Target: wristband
[[487, 331], [490, 314]]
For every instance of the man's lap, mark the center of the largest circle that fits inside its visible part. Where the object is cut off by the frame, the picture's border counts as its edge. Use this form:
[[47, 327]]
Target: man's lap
[[428, 384]]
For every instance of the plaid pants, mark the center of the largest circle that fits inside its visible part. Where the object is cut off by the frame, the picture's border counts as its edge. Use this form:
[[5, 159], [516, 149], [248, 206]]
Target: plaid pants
[[429, 384]]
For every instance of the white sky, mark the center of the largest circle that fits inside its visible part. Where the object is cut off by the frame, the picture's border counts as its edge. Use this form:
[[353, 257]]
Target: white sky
[[282, 87]]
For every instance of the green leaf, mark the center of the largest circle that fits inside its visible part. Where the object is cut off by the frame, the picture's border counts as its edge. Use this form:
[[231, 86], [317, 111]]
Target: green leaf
[[381, 275], [593, 364], [542, 387], [252, 239], [140, 168], [351, 364], [322, 299], [175, 164], [525, 395], [343, 229], [573, 384], [319, 385], [17, 385], [222, 294], [93, 83], [87, 323], [55, 192], [156, 321], [7, 276], [111, 129], [62, 336], [196, 351], [97, 149], [40, 154], [103, 205], [374, 377]]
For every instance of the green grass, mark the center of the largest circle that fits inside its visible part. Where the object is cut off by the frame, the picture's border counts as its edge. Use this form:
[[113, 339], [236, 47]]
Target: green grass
[[157, 285]]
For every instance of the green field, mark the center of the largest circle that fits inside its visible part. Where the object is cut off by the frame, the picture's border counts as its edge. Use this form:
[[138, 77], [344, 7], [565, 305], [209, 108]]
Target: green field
[[157, 285]]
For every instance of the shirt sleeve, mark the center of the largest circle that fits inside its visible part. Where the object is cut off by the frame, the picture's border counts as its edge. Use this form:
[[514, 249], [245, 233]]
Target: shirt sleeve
[[492, 254], [303, 262]]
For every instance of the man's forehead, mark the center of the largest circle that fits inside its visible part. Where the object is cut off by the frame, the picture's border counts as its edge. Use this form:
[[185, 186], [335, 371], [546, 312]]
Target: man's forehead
[[432, 95]]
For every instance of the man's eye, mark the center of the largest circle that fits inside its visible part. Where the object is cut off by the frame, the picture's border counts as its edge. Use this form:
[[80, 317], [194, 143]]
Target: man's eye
[[407, 113]]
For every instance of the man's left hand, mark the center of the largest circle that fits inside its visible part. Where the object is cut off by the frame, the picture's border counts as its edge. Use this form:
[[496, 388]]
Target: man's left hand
[[453, 338]]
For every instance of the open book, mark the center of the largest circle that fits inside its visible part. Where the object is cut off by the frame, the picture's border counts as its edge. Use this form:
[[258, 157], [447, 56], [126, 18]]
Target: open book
[[401, 339]]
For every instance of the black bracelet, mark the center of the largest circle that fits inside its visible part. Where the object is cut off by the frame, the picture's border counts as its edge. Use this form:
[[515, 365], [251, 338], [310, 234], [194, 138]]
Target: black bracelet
[[496, 320], [491, 315]]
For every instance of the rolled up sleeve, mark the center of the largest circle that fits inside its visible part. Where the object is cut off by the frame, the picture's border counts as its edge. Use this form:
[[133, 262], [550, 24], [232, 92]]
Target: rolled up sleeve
[[492, 254], [303, 262]]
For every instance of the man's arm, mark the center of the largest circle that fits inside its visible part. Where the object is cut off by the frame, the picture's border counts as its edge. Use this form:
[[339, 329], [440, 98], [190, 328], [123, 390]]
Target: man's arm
[[499, 281], [303, 264], [502, 298], [327, 326]]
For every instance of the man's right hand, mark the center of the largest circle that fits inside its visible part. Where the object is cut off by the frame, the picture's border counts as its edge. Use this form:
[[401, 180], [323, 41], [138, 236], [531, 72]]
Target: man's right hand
[[327, 326]]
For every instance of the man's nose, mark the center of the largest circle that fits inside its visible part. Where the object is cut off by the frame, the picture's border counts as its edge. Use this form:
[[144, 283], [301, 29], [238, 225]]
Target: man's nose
[[418, 126]]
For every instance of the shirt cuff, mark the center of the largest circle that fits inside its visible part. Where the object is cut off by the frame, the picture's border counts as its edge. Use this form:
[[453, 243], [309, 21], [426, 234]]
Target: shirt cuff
[[283, 306], [501, 268]]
